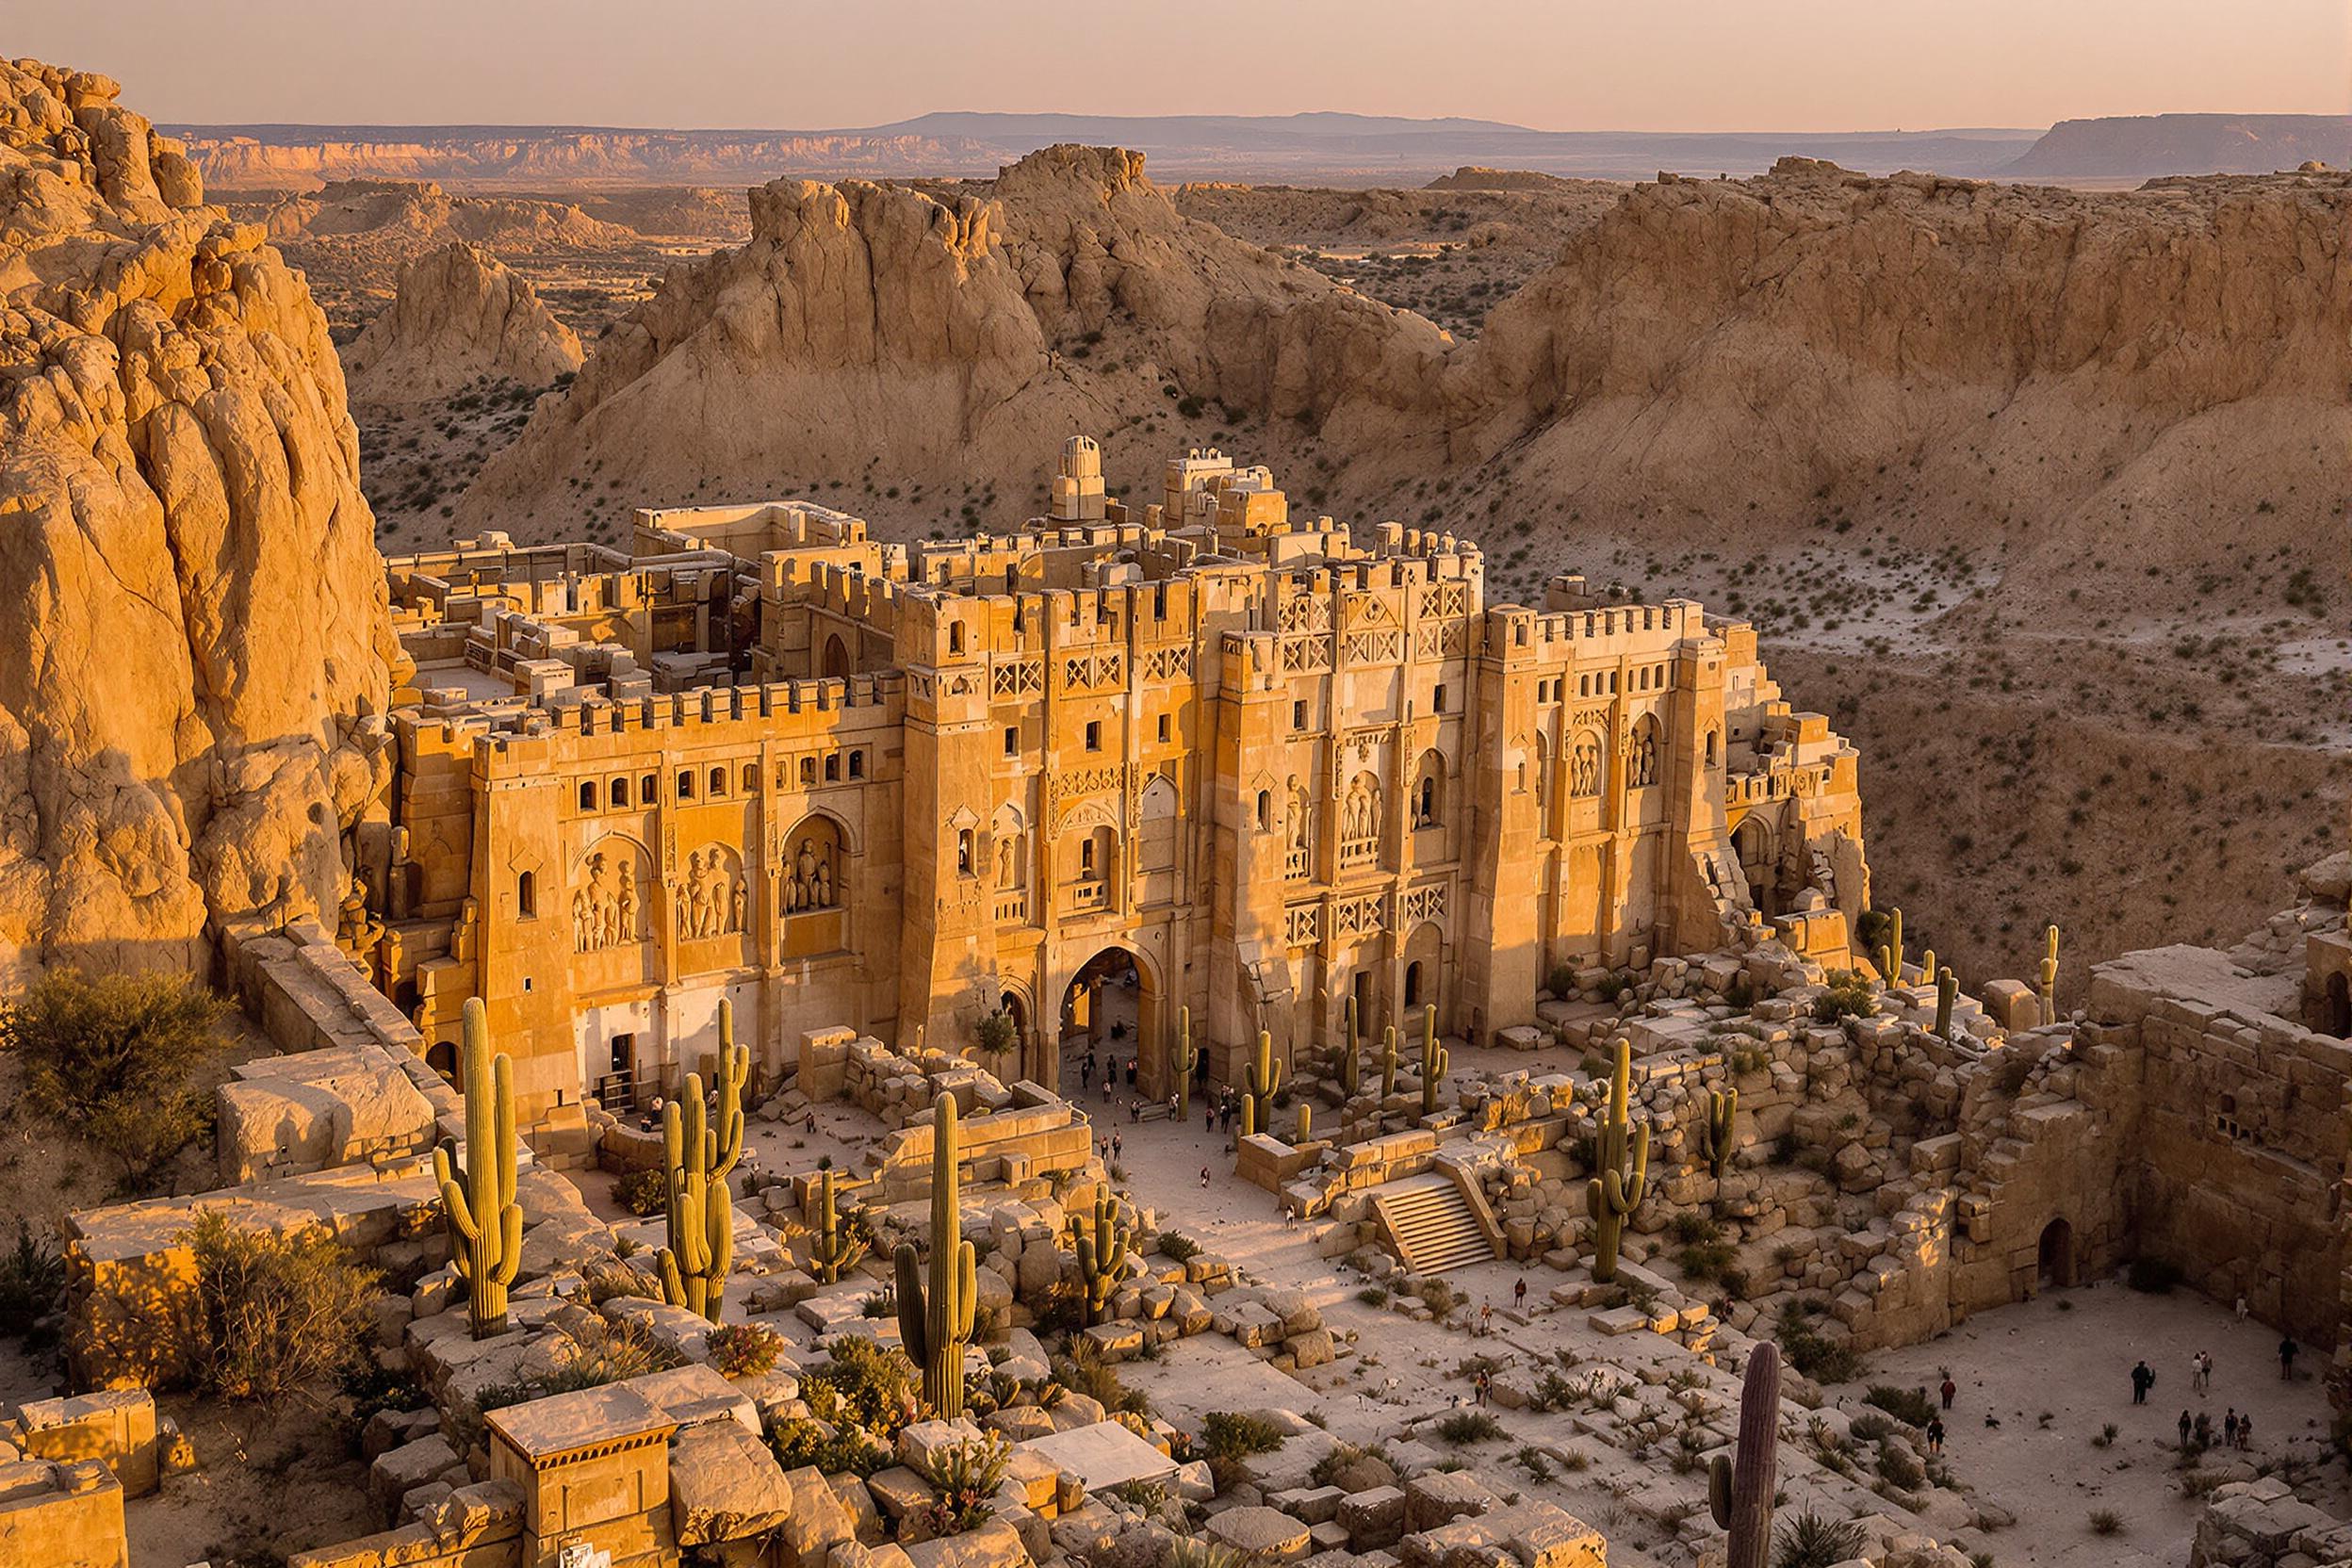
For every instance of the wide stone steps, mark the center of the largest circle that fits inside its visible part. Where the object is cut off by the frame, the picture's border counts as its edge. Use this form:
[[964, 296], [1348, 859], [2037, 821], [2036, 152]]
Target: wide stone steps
[[1431, 1224]]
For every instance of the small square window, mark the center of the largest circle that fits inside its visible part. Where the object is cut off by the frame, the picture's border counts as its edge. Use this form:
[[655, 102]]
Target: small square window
[[1438, 703], [1012, 740], [1163, 729], [1297, 715], [1094, 735], [857, 764]]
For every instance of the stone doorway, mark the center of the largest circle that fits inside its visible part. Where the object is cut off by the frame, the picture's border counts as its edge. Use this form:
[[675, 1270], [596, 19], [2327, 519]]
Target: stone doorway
[[1112, 1007], [2338, 1007], [2057, 1254]]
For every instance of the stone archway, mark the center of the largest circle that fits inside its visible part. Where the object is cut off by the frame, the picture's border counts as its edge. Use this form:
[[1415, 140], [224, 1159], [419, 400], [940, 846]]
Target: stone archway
[[2055, 1264], [1751, 842], [1111, 1003], [836, 658]]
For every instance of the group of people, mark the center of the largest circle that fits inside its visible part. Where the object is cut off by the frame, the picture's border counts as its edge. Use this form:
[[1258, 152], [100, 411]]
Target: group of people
[[2237, 1431]]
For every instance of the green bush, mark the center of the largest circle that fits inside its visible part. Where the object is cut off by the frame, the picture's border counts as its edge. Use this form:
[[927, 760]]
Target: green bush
[[1706, 1261], [1848, 996], [32, 1282], [112, 1057], [1900, 1471], [1813, 1355], [863, 1384], [1178, 1249], [799, 1441], [275, 1316], [1230, 1435], [966, 1476], [644, 1193], [1465, 1427]]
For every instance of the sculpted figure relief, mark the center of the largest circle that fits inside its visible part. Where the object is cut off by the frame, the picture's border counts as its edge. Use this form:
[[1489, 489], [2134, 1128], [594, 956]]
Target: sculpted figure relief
[[606, 911], [1585, 776], [809, 886], [712, 902]]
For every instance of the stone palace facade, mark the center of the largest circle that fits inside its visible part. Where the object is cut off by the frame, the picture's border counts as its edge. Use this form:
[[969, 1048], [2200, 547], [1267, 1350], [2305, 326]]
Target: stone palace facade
[[1258, 762]]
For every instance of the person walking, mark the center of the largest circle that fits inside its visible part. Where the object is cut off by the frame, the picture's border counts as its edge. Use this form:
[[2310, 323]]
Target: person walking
[[1086, 1073], [1482, 1384], [1204, 1177], [2240, 1306], [1486, 1318], [2245, 1430], [1519, 1292], [2197, 1373], [2185, 1426], [1935, 1434], [1118, 1146], [2288, 1351], [2143, 1379], [2229, 1429], [1949, 1388]]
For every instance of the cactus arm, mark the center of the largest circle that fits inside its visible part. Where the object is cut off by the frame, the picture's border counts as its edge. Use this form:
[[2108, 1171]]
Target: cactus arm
[[913, 1332]]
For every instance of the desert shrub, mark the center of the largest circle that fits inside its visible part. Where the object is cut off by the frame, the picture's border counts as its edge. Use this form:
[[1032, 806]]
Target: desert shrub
[[1734, 1282], [611, 1282], [881, 1303], [998, 1034], [863, 1384], [1706, 1261], [1192, 1551], [1232, 1435], [644, 1193], [1870, 1427], [1439, 1297], [1910, 1406], [1561, 982], [1178, 1249], [745, 1350], [111, 1057], [1691, 1228], [1812, 1354], [32, 1282], [1084, 1371], [275, 1316], [966, 1476], [2106, 1521], [370, 1388], [1849, 995], [1813, 1540], [798, 1440], [1373, 1296], [1899, 1470], [1465, 1427], [2154, 1276]]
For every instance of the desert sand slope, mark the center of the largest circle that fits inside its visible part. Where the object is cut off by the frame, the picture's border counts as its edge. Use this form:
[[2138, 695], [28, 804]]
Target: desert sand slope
[[458, 315], [2073, 376], [946, 339], [193, 632]]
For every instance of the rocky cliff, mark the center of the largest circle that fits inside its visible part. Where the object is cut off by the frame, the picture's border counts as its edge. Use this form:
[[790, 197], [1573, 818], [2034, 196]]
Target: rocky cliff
[[943, 338], [2072, 378], [458, 316], [193, 633]]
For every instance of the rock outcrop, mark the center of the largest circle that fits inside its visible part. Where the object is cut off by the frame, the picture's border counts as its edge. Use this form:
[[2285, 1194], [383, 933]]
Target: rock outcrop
[[194, 643], [2077, 376], [942, 337], [458, 316]]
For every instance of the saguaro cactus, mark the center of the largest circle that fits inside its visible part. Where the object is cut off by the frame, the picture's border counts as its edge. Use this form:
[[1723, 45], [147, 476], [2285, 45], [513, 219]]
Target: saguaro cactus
[[1306, 1125], [935, 1319], [1722, 1117], [2048, 987], [1264, 1076], [1388, 1063], [485, 1224], [1351, 1065], [835, 1250], [1740, 1490], [1102, 1257], [1616, 1192], [1947, 992], [1435, 1060], [1182, 1059], [697, 1157]]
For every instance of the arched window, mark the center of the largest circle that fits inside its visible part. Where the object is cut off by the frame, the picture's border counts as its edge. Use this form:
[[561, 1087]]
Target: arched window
[[616, 794], [718, 782], [587, 795], [1413, 985], [808, 772], [686, 784], [963, 852], [1710, 748], [836, 659], [1265, 810], [833, 767], [1428, 791], [954, 636], [1157, 811], [857, 764], [751, 779], [527, 895]]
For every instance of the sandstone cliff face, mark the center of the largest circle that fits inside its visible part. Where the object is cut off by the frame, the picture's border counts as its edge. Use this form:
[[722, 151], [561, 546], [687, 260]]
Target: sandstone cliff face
[[948, 339], [193, 633], [457, 315], [2068, 375]]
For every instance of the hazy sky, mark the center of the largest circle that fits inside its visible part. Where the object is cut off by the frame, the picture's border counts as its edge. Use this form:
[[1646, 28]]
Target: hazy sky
[[1554, 64]]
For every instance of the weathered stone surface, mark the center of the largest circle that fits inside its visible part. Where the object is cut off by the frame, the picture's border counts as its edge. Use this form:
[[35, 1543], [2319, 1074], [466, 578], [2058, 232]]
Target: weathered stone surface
[[1265, 1534], [457, 315], [725, 1485]]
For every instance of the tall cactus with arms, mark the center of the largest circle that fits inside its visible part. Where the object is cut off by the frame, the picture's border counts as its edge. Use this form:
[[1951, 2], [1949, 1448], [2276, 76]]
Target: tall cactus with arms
[[1181, 1060], [1616, 1193], [697, 1158], [935, 1319], [1101, 1256], [485, 1224], [835, 1250], [1435, 1059], [1740, 1490], [1265, 1075]]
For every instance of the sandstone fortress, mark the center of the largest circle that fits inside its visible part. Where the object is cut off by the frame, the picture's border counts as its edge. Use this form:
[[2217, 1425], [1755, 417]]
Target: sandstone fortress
[[1267, 763]]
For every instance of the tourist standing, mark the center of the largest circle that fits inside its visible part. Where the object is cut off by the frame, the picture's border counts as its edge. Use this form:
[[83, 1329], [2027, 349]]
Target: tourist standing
[[2143, 1379], [2288, 1351], [1949, 1388], [1936, 1433], [2229, 1428], [1519, 1292], [2185, 1425], [2245, 1430]]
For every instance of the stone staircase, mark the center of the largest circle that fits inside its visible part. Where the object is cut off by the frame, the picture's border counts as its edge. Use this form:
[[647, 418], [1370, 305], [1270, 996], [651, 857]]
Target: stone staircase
[[1431, 1224]]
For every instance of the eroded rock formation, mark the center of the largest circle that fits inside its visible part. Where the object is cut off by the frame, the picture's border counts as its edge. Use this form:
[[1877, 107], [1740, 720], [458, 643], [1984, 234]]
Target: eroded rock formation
[[193, 635], [952, 332], [458, 315]]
